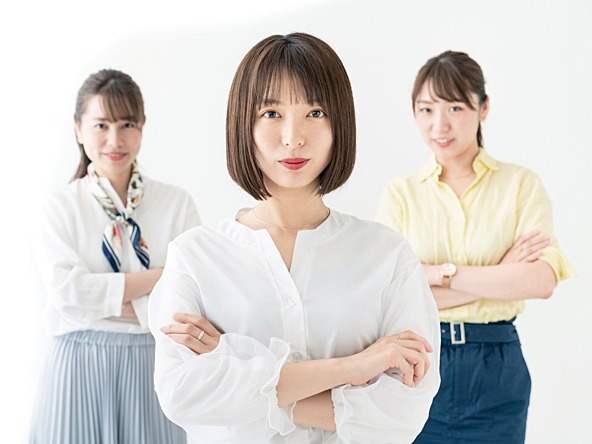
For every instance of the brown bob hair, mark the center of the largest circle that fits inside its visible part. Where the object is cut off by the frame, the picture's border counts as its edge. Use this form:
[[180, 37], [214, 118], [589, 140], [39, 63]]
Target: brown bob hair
[[453, 76], [316, 75], [121, 100]]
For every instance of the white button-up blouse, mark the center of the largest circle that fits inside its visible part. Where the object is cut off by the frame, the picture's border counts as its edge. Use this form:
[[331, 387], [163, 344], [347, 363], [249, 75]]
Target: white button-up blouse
[[79, 289], [351, 282]]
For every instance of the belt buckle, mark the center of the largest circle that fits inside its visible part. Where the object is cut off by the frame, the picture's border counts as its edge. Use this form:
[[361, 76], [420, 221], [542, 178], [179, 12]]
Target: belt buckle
[[453, 339]]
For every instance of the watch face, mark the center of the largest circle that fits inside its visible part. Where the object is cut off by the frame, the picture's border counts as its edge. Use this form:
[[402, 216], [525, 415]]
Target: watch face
[[448, 269]]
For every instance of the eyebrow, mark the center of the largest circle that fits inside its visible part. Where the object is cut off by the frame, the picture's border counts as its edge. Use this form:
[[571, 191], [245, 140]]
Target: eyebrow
[[106, 119], [270, 101]]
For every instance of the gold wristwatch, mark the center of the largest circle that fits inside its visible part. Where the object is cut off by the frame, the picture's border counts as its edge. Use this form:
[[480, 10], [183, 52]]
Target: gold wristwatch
[[447, 270]]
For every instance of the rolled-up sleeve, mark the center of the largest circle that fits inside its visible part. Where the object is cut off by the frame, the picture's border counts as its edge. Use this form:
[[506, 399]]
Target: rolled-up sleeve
[[232, 386], [534, 212], [386, 410]]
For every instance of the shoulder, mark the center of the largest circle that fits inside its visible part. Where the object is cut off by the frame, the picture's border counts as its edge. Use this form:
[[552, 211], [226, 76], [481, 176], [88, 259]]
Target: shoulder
[[212, 235], [517, 174], [65, 196], [372, 234], [165, 192], [405, 187]]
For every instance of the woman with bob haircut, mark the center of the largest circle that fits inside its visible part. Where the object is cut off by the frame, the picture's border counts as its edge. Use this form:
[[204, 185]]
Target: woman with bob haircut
[[483, 232], [100, 249], [293, 322]]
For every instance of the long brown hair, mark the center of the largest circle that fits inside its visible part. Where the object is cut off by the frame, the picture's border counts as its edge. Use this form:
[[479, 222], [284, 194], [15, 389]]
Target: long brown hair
[[316, 75], [453, 76], [121, 100]]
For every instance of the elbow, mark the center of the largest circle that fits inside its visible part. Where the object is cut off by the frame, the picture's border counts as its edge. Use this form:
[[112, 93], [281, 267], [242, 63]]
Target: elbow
[[547, 291], [547, 286]]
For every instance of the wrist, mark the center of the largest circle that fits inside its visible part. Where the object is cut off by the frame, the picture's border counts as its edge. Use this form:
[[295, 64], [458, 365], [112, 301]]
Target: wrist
[[447, 272], [343, 370]]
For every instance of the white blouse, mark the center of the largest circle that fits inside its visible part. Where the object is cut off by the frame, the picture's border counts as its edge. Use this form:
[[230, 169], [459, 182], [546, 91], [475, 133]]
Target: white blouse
[[79, 288], [350, 282]]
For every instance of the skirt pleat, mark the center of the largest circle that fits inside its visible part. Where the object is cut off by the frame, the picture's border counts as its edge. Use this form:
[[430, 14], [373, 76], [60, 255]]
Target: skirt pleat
[[97, 388]]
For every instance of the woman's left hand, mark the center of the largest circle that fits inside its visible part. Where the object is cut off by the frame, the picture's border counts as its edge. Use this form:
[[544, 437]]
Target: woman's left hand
[[194, 332]]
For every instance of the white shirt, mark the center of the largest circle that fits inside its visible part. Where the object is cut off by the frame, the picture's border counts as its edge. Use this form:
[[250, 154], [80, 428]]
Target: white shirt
[[350, 282], [79, 288]]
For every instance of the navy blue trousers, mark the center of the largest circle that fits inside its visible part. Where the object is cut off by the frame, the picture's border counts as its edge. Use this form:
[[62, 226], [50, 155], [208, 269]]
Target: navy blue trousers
[[485, 389]]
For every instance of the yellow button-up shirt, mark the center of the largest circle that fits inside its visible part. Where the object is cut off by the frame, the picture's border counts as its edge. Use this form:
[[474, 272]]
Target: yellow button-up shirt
[[504, 202]]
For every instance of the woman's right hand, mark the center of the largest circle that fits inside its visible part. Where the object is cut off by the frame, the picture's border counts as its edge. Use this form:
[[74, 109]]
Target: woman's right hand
[[407, 352], [194, 332], [527, 248]]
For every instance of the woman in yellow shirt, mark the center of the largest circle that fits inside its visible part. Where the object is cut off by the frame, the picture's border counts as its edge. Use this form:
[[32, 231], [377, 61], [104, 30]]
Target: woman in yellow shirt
[[483, 232]]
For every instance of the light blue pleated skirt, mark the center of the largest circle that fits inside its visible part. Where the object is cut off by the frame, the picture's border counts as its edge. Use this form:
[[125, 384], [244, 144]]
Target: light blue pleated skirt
[[97, 388]]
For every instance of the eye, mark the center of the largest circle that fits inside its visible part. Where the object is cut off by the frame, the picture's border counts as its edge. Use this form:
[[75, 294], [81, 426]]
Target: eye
[[128, 125], [317, 113], [270, 114], [455, 108], [424, 110], [100, 126]]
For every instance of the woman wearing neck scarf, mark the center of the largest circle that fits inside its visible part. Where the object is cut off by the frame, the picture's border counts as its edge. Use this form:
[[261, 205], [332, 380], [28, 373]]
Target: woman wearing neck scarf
[[483, 230], [100, 250]]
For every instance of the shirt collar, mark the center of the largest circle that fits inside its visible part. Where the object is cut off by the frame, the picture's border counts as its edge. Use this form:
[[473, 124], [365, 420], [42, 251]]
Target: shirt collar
[[482, 163], [244, 234]]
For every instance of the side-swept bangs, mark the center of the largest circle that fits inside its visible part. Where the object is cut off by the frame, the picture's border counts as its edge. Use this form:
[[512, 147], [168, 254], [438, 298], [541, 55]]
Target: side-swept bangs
[[313, 74], [452, 76]]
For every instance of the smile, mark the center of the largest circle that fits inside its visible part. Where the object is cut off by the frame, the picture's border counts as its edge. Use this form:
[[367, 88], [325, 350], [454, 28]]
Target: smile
[[294, 163], [115, 156], [443, 142]]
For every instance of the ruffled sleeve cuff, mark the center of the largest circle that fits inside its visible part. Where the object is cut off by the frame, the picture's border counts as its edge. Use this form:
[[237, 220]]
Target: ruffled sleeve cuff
[[263, 365], [279, 419], [343, 411]]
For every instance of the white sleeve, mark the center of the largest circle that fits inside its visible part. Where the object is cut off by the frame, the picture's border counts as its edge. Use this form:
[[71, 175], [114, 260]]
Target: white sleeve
[[234, 385], [79, 295], [386, 410]]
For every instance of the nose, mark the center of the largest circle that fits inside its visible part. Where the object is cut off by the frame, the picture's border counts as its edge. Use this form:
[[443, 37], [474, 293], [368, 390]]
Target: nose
[[114, 138], [292, 134], [440, 122]]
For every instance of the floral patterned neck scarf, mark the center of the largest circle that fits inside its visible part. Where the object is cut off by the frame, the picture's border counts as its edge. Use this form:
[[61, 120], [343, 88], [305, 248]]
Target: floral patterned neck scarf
[[112, 237]]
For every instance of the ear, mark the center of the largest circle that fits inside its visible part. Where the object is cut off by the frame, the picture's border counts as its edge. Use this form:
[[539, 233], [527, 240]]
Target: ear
[[78, 132], [484, 110]]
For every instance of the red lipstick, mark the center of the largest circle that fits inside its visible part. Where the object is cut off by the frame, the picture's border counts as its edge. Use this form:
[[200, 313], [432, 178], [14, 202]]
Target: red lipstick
[[294, 163]]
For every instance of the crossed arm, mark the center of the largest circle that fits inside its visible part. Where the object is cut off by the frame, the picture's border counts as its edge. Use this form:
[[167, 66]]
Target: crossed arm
[[519, 275], [309, 383]]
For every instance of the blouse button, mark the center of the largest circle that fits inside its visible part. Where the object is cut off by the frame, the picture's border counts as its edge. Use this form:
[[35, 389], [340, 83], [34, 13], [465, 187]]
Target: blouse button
[[296, 356], [291, 301]]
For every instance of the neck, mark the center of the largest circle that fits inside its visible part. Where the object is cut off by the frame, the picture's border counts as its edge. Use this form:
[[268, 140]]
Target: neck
[[120, 184], [291, 212], [459, 167]]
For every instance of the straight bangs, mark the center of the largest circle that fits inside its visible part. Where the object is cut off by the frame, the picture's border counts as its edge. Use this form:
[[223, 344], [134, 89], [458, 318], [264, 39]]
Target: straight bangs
[[285, 69]]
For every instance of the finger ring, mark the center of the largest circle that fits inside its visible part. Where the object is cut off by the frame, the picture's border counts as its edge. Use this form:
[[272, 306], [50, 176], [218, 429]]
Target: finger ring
[[201, 335], [397, 336]]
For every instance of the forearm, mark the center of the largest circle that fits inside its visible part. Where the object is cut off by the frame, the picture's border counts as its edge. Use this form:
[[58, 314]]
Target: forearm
[[514, 281], [316, 411], [302, 380], [447, 298], [140, 283]]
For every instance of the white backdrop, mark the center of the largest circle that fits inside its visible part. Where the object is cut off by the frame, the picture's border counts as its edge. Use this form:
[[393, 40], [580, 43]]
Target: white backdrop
[[537, 59]]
